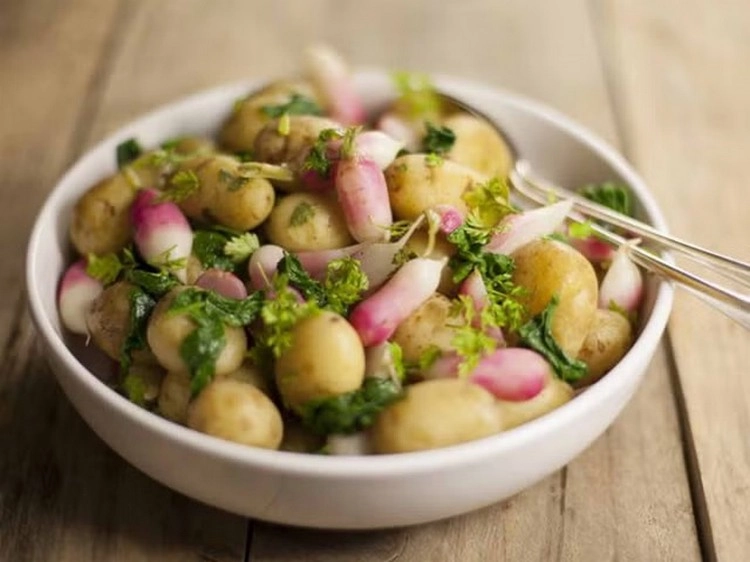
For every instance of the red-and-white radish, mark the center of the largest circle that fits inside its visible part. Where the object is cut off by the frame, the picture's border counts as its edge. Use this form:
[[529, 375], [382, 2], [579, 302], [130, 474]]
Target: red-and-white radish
[[161, 232], [331, 79], [378, 316], [363, 195], [450, 218], [225, 283], [402, 130], [519, 229], [473, 286], [77, 291], [593, 249], [622, 285], [378, 147], [512, 373], [262, 265]]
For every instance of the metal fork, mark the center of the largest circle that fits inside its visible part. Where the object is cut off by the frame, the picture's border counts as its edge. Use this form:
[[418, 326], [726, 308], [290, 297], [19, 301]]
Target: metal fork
[[734, 303]]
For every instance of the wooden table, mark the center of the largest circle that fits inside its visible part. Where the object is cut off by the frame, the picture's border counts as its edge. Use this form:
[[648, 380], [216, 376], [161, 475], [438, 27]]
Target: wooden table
[[666, 81]]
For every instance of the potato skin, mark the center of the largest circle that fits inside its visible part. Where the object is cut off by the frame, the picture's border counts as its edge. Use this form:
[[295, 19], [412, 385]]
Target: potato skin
[[166, 332], [240, 205], [430, 325], [101, 217], [242, 126], [414, 185], [436, 414], [250, 374], [236, 411], [292, 149], [108, 319], [552, 396], [606, 343], [478, 145], [546, 268], [308, 221], [174, 396], [326, 359]]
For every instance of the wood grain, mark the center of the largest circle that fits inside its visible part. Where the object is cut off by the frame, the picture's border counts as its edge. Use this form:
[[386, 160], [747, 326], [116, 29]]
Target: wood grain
[[63, 495], [679, 73]]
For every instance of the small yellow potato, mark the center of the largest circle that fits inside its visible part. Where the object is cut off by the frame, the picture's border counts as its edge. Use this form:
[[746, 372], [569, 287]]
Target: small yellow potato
[[429, 326], [166, 332], [195, 145], [418, 243], [415, 184], [251, 374], [108, 319], [606, 343], [101, 217], [144, 381], [478, 145], [247, 117], [308, 221], [552, 396], [548, 268], [326, 359], [174, 396], [236, 411], [436, 414], [224, 196], [290, 149]]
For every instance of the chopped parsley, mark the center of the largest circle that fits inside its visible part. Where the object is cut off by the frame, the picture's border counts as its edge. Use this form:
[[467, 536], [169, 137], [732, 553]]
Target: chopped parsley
[[580, 230], [297, 105], [211, 313], [233, 182], [239, 248], [105, 269], [537, 335], [611, 194], [470, 341], [141, 306], [317, 159], [433, 160], [127, 151], [488, 201], [208, 247], [302, 213], [418, 97], [438, 140], [180, 186], [353, 411]]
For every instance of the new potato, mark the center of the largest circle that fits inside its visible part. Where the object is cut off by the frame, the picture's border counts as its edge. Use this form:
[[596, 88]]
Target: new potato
[[548, 268], [606, 343], [430, 326], [552, 396], [308, 221], [478, 145], [436, 414], [108, 319]]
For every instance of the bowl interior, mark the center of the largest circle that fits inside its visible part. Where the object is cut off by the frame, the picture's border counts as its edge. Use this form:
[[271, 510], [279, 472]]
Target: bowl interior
[[558, 148]]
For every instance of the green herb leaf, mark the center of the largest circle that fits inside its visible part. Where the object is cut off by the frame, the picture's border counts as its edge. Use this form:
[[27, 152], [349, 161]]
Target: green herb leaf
[[233, 182], [344, 284], [154, 283], [208, 247], [317, 158], [353, 411], [141, 306], [397, 359], [488, 202], [537, 335], [134, 388], [105, 269], [611, 194], [200, 350], [127, 151], [302, 213], [180, 186], [171, 144], [471, 342], [580, 230], [240, 248], [428, 357], [297, 105], [438, 140], [433, 160], [418, 97]]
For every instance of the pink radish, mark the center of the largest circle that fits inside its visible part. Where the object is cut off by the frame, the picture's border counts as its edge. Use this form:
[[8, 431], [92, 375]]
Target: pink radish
[[262, 265], [77, 291], [161, 233], [363, 196], [512, 373], [473, 286], [378, 147], [331, 78], [222, 282], [378, 316], [520, 229], [593, 249], [622, 285], [450, 218], [402, 130], [444, 367]]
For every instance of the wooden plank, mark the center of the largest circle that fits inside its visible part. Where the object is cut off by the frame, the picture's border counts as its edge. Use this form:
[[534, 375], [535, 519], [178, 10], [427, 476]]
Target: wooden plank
[[63, 495], [678, 74]]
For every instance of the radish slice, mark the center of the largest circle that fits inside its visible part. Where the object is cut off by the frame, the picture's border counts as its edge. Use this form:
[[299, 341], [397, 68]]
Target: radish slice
[[77, 291], [161, 233], [378, 316], [331, 78], [222, 282], [520, 229], [512, 373], [622, 285], [262, 265], [378, 147]]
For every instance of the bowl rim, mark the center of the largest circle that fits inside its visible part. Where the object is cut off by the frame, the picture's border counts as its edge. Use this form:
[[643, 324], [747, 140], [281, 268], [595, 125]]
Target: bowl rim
[[362, 467]]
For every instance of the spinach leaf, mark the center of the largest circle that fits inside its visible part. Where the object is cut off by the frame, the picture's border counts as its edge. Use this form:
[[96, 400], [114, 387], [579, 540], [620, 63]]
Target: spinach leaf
[[353, 411], [438, 140], [141, 306], [537, 335], [297, 105], [127, 151], [154, 283], [208, 247]]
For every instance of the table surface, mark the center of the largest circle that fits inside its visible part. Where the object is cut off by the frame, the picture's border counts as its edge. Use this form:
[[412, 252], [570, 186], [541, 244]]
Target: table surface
[[664, 80]]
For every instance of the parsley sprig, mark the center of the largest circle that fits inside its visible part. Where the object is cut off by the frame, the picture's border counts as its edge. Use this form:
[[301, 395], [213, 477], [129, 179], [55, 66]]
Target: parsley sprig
[[488, 201], [297, 105], [438, 139]]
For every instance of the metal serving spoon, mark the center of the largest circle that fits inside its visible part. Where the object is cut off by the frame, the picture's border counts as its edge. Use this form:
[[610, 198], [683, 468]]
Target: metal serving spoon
[[735, 303]]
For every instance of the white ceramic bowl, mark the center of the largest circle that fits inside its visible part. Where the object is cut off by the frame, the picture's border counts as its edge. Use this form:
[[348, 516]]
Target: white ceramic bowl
[[342, 492]]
